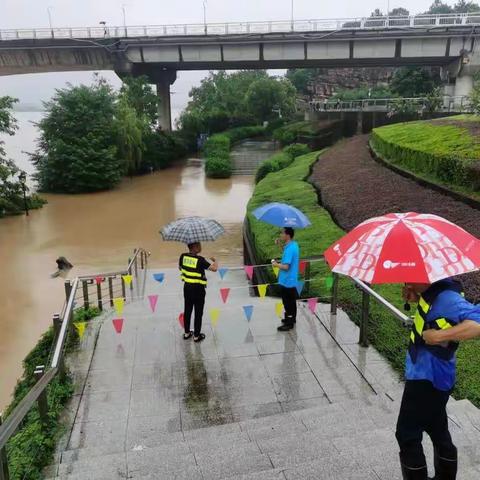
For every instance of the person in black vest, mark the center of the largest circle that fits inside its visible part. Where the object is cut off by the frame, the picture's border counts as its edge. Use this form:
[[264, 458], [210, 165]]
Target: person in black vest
[[192, 268], [443, 317]]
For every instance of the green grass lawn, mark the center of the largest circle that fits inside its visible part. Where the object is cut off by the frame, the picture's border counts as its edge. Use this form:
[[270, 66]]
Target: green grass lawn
[[446, 154], [385, 332]]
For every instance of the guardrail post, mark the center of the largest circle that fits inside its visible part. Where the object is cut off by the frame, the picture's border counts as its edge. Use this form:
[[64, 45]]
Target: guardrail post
[[68, 289], [110, 290], [42, 399], [124, 294], [99, 296], [363, 340], [57, 324], [4, 474], [307, 279], [143, 260], [86, 304], [334, 301]]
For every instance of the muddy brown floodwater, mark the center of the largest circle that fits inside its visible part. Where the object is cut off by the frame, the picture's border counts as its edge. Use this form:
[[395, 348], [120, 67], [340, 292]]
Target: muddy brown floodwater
[[97, 232]]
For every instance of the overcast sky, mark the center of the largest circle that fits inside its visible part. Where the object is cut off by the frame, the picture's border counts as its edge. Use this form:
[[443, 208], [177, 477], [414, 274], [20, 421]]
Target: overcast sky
[[33, 13]]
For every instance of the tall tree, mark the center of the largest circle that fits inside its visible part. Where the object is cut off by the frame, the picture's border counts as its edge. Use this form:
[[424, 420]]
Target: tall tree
[[399, 12], [377, 13], [475, 95], [439, 7], [138, 94], [77, 150], [301, 78], [462, 6], [413, 82]]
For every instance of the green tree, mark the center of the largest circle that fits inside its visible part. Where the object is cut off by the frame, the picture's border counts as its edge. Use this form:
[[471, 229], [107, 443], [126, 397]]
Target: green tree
[[475, 95], [377, 13], [11, 192], [399, 12], [139, 94], [439, 7], [77, 149], [267, 95], [301, 78], [462, 6], [413, 82]]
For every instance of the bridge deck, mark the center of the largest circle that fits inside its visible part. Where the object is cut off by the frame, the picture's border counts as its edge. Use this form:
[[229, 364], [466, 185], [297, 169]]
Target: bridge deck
[[247, 403]]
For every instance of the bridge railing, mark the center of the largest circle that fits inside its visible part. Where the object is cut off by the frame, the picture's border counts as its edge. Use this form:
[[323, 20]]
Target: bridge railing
[[237, 28], [77, 294], [449, 103]]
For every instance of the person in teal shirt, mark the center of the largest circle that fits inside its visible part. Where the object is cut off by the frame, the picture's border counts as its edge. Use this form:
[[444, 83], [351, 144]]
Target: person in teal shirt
[[288, 277]]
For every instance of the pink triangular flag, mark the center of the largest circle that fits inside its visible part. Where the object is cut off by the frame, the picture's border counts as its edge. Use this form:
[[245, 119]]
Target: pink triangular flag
[[153, 299], [312, 304], [303, 266], [249, 271], [224, 293], [118, 324], [181, 320], [99, 280]]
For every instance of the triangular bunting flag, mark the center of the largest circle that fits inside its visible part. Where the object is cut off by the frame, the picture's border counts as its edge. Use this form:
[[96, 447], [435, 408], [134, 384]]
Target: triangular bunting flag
[[118, 303], [248, 310], [262, 290], [276, 270], [159, 277], [299, 287], [279, 309], [80, 326], [118, 324], [127, 279], [222, 272], [181, 320], [329, 281], [153, 299], [224, 292], [99, 280], [214, 314], [303, 266], [312, 304], [249, 271]]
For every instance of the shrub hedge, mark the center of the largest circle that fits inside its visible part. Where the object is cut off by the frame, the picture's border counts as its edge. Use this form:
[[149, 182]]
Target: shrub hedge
[[280, 160], [289, 133], [445, 153], [32, 447], [384, 331], [217, 149]]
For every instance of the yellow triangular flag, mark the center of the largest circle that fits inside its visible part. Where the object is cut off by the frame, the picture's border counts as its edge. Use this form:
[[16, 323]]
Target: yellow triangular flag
[[279, 309], [275, 271], [262, 290], [80, 326], [118, 304], [214, 314], [127, 279]]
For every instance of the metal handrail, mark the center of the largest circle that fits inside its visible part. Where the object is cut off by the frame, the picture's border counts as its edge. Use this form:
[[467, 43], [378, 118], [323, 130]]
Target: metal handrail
[[229, 28], [12, 422]]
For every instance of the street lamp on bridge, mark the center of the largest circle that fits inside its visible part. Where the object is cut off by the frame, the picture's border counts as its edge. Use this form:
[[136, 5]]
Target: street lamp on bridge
[[49, 13], [22, 177], [205, 16]]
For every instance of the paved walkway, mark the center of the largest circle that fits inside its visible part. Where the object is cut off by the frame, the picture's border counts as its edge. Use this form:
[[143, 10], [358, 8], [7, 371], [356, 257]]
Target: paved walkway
[[248, 403]]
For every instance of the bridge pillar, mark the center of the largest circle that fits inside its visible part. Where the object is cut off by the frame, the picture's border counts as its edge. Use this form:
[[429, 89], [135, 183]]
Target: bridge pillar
[[463, 85], [163, 80]]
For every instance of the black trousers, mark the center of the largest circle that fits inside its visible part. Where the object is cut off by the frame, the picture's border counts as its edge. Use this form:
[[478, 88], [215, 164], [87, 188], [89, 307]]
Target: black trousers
[[289, 299], [423, 409], [194, 295]]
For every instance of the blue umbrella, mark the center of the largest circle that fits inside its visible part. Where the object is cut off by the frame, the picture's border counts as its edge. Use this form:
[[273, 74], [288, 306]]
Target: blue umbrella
[[281, 215]]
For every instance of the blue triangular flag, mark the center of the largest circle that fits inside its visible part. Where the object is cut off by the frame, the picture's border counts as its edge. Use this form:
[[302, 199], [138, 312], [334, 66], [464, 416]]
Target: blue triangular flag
[[159, 277], [222, 272], [299, 287], [248, 310]]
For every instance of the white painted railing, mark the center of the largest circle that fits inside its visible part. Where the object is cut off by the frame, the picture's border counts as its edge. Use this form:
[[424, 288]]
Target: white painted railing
[[238, 28]]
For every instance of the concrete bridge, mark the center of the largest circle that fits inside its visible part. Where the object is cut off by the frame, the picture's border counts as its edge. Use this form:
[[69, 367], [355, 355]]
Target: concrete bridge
[[450, 41]]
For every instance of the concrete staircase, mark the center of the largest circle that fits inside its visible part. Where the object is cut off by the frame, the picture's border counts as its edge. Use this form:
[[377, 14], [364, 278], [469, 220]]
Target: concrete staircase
[[246, 404], [249, 154]]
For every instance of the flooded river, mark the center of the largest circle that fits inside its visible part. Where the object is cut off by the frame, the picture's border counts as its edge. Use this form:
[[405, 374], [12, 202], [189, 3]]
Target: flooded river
[[98, 232]]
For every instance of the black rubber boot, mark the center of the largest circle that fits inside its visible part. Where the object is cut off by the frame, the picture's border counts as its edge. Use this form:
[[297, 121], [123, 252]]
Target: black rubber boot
[[414, 473], [445, 468]]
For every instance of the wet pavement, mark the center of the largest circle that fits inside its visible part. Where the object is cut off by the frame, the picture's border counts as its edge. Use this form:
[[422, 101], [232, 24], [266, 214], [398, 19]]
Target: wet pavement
[[247, 403]]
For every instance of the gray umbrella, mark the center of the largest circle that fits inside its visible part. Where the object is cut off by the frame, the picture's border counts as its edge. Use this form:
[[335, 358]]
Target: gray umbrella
[[192, 229]]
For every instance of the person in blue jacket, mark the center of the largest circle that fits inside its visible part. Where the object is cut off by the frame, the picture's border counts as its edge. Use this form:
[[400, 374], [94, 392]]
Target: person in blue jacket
[[288, 277], [443, 318]]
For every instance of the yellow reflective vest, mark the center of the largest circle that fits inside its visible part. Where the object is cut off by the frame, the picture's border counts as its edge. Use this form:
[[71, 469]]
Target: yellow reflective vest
[[444, 351], [190, 270]]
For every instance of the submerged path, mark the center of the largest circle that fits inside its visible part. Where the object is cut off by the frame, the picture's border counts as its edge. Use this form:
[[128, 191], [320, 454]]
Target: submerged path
[[354, 187], [249, 403]]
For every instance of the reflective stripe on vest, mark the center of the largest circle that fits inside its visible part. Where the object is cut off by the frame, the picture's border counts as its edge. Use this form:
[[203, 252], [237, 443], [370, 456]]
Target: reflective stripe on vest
[[444, 351], [188, 273]]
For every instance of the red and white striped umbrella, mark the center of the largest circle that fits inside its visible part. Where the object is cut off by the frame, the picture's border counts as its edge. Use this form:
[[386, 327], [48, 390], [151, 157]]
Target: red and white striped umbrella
[[405, 247]]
